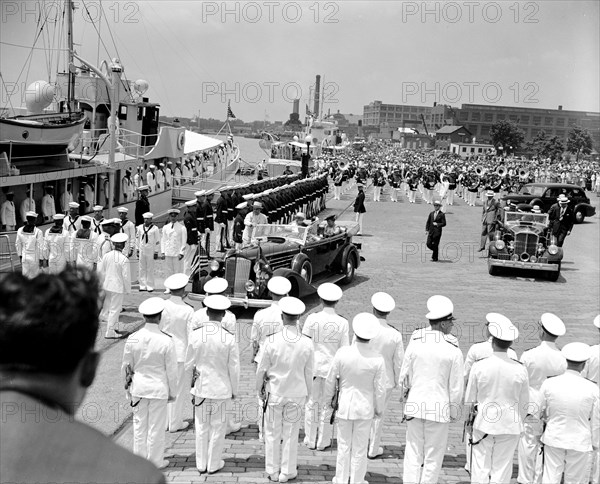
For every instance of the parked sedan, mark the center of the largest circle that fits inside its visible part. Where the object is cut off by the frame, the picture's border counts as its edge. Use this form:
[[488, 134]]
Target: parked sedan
[[301, 254], [545, 194]]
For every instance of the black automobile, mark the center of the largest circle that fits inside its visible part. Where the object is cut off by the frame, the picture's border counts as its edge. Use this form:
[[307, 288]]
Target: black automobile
[[545, 194], [301, 254]]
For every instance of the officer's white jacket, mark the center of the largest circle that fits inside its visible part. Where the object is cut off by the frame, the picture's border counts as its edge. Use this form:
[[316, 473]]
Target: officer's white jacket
[[500, 387], [174, 237], [481, 350], [361, 373], [176, 320], [214, 353], [591, 366], [48, 208], [266, 322], [570, 404], [388, 343], [8, 213], [104, 245], [114, 269], [432, 374], [153, 244], [287, 360], [201, 316], [328, 332], [542, 362], [151, 355]]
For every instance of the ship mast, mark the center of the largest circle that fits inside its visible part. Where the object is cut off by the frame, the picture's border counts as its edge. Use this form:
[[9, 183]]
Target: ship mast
[[71, 65]]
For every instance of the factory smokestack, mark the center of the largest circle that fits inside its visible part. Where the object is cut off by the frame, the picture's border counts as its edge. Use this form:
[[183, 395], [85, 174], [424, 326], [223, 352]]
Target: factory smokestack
[[317, 96]]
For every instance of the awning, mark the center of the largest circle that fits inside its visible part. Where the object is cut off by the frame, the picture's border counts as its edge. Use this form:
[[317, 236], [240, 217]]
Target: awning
[[169, 144], [199, 142], [297, 144], [280, 162]]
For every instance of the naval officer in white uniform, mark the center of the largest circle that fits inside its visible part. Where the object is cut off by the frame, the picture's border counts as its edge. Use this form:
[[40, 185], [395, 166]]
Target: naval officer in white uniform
[[358, 372], [571, 410]]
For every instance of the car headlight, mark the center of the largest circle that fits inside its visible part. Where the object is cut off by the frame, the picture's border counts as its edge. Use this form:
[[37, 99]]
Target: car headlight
[[249, 286], [553, 249], [500, 244], [214, 265], [533, 258], [515, 257]]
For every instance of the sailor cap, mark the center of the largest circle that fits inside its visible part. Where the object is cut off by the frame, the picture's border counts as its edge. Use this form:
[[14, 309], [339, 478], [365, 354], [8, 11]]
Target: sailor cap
[[440, 307], [279, 285], [143, 187], [107, 221], [248, 196], [200, 193], [190, 203], [176, 281], [217, 302], [330, 292], [597, 321], [500, 327], [152, 166], [173, 210], [553, 324], [97, 208], [366, 326], [576, 352], [148, 215], [152, 306], [490, 193], [292, 306], [216, 285], [123, 210], [383, 302], [73, 205], [86, 219], [119, 238], [58, 216]]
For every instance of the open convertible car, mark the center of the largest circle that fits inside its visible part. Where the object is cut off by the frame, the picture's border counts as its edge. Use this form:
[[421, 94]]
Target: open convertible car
[[301, 254], [523, 241]]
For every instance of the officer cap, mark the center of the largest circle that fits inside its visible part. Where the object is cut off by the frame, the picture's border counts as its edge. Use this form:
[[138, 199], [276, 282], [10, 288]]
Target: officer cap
[[210, 192], [73, 205], [576, 352], [248, 196], [437, 202], [97, 208], [383, 302], [152, 167], [597, 321], [58, 216], [190, 203], [176, 281], [242, 205], [144, 188], [279, 285], [292, 306], [200, 193], [123, 210], [215, 286], [501, 327], [330, 292], [217, 302], [490, 193], [152, 306], [562, 198], [440, 307], [173, 210], [366, 326], [148, 215], [119, 238], [300, 215], [553, 324]]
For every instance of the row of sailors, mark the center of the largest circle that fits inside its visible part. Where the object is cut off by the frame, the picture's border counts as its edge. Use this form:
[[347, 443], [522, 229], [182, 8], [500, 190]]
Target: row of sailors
[[543, 400]]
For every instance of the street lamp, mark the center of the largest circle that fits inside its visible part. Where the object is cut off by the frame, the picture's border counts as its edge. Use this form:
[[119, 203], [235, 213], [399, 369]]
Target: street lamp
[[306, 158]]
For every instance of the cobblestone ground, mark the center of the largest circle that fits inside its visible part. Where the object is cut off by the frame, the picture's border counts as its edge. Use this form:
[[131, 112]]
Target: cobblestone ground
[[396, 262]]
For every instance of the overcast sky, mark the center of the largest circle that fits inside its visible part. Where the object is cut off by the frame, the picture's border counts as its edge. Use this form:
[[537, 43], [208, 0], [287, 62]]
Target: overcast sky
[[260, 55]]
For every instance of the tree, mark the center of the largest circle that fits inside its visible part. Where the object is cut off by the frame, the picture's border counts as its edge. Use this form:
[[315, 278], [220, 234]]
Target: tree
[[537, 145], [546, 147], [554, 148], [579, 141], [506, 135]]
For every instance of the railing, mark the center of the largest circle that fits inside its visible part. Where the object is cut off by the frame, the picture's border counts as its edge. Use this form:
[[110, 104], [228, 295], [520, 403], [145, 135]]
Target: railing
[[6, 254]]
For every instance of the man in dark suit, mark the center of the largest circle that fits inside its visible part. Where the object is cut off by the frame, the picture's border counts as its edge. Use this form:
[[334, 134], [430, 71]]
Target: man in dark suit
[[433, 228], [142, 205], [359, 207], [48, 326], [561, 219], [489, 218]]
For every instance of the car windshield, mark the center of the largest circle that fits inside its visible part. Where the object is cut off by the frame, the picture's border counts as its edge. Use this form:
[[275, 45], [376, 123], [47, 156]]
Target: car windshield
[[525, 218], [289, 232], [532, 190]]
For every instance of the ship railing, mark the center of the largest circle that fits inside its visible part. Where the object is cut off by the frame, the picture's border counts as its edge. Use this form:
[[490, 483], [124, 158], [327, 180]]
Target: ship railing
[[6, 254]]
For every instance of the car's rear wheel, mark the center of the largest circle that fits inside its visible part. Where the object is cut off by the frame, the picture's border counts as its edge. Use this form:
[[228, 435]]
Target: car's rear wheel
[[579, 216], [306, 271], [350, 270]]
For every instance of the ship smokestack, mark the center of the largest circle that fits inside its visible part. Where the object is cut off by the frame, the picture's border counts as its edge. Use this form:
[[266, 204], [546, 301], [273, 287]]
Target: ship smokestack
[[317, 96]]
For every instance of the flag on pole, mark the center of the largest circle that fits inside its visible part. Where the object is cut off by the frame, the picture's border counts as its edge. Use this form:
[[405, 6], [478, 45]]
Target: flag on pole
[[230, 112]]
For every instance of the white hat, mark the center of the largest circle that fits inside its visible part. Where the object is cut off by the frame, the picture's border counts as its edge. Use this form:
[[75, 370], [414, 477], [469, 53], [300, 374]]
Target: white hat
[[562, 198], [152, 166], [148, 215], [365, 326], [439, 307], [119, 238], [86, 218], [257, 205], [490, 193], [248, 196], [176, 281], [437, 202], [58, 216], [330, 292], [97, 208], [300, 215], [173, 210], [576, 352], [536, 209], [200, 193], [597, 321], [143, 187], [279, 285], [210, 192], [216, 285], [242, 205], [73, 205], [383, 302], [501, 327], [190, 203], [107, 221], [292, 306], [553, 324], [123, 210], [217, 302], [152, 306]]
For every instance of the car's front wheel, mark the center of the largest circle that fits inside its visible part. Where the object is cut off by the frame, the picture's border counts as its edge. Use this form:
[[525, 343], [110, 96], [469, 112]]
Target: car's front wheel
[[579, 216], [349, 270], [306, 271]]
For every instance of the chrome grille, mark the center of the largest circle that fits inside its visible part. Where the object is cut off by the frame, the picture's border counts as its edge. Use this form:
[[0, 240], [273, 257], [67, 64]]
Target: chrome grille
[[279, 261], [526, 242], [237, 273]]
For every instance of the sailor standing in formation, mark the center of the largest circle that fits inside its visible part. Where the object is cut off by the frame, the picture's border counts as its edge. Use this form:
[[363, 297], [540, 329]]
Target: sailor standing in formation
[[148, 242], [172, 243], [128, 228], [56, 245], [29, 245]]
